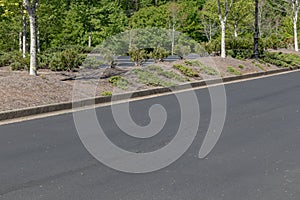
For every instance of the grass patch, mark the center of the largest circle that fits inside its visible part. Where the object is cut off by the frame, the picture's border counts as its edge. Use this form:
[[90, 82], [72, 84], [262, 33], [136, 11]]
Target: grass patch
[[119, 82], [186, 70], [233, 71], [150, 79]]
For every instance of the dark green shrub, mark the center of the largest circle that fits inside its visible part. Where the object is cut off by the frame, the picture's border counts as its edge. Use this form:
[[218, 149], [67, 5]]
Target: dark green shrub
[[67, 60], [241, 66], [158, 54], [16, 66], [281, 59]]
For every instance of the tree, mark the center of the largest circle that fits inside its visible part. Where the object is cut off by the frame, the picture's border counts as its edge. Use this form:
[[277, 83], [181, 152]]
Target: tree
[[30, 7], [241, 16], [223, 16], [292, 8]]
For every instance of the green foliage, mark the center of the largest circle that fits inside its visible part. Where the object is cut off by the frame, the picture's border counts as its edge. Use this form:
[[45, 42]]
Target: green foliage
[[186, 70], [167, 74], [281, 59], [138, 56], [92, 63], [15, 60], [233, 71], [241, 66], [203, 68], [106, 94], [240, 48], [150, 79], [158, 54], [120, 82], [68, 60], [182, 51]]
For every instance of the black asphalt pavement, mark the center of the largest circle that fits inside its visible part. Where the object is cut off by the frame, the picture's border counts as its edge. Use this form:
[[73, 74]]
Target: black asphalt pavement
[[256, 158]]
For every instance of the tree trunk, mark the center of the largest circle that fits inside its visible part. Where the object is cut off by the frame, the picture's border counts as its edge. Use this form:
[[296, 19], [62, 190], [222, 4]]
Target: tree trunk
[[38, 42], [33, 43], [296, 31], [20, 42], [223, 44], [235, 30], [90, 39], [173, 40], [24, 35]]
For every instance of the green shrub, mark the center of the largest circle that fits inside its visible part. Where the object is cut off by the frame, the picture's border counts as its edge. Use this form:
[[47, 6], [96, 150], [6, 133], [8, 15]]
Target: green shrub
[[5, 59], [241, 66], [92, 63], [67, 60], [186, 70], [182, 50], [138, 56], [150, 79], [203, 68], [233, 71], [119, 82], [16, 66], [281, 59], [167, 74], [158, 54], [106, 93]]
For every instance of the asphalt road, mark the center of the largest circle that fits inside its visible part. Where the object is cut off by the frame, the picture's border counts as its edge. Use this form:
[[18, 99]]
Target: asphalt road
[[256, 158]]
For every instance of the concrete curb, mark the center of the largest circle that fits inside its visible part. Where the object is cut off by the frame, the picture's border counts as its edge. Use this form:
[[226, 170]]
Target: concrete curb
[[12, 114]]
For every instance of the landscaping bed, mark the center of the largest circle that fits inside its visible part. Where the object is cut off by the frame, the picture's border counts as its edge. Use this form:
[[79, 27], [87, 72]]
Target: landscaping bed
[[19, 90]]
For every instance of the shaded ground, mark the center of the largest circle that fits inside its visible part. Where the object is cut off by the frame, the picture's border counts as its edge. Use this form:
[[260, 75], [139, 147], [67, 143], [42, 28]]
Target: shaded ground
[[19, 90]]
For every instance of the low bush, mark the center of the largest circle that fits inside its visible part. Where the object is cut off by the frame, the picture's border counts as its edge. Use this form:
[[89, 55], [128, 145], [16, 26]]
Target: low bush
[[158, 54], [67, 60], [138, 56], [92, 63], [150, 79], [241, 66], [233, 71], [15, 60], [203, 68], [106, 93], [119, 82], [186, 70], [167, 74], [281, 59]]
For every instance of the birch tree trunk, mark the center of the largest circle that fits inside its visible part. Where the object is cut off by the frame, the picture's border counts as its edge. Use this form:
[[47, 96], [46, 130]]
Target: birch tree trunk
[[223, 42], [90, 39], [295, 20], [31, 9], [20, 42], [235, 30], [33, 44], [223, 20], [24, 35]]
